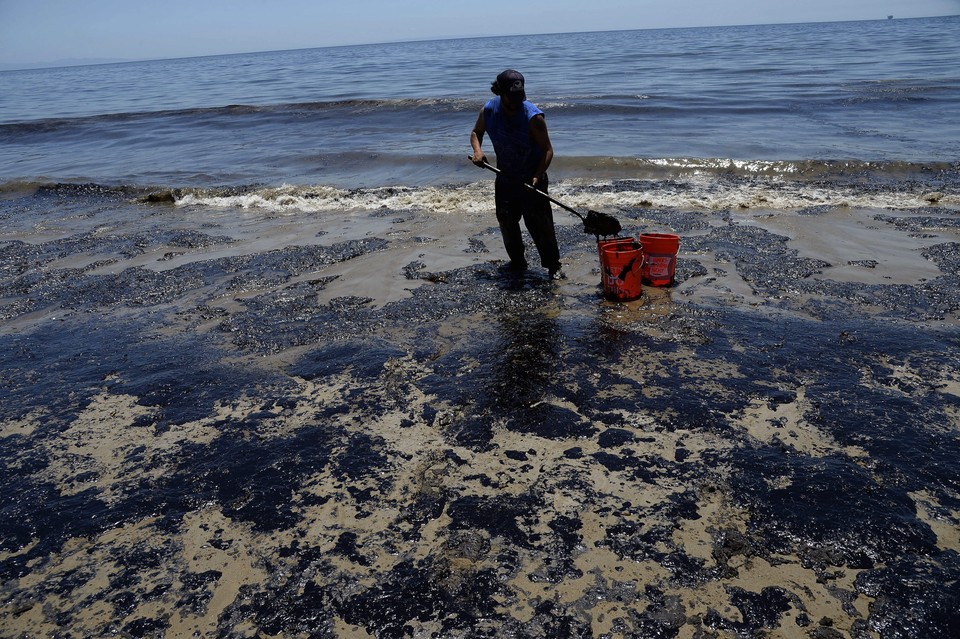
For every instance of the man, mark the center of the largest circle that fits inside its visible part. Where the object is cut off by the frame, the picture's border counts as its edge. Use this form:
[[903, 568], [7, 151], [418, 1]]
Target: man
[[518, 131]]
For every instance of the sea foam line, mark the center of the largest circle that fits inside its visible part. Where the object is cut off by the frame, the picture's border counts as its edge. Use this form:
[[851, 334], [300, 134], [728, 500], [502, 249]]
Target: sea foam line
[[696, 194]]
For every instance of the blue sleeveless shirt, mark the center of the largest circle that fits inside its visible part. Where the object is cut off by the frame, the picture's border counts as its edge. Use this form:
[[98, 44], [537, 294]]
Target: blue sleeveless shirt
[[517, 154]]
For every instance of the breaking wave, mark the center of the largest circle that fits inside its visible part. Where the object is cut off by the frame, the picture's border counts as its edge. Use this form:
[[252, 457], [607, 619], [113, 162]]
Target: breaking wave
[[698, 192], [598, 183]]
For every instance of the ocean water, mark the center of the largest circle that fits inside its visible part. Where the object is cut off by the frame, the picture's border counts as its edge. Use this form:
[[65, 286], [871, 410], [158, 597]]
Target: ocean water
[[816, 105]]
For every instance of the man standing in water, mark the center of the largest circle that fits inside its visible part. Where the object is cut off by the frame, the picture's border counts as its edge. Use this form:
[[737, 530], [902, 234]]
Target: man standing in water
[[518, 131]]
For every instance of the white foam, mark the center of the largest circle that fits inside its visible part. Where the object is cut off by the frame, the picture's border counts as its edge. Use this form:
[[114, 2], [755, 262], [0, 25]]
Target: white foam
[[296, 199], [704, 193], [697, 193]]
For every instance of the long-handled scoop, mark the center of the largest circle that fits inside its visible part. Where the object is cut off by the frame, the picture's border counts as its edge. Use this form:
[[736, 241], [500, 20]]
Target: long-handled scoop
[[595, 223]]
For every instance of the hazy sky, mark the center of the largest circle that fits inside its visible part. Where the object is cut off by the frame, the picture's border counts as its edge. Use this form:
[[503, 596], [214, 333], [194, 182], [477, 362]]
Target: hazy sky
[[50, 31]]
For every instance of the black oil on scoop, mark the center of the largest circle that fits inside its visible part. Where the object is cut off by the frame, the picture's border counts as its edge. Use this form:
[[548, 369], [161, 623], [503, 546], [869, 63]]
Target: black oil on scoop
[[595, 223]]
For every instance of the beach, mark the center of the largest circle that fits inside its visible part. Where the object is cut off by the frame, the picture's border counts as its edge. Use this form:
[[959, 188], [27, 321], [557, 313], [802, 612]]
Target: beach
[[359, 426], [263, 373]]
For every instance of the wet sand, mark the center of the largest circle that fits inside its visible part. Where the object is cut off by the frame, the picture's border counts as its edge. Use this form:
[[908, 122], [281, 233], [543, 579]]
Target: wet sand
[[350, 426]]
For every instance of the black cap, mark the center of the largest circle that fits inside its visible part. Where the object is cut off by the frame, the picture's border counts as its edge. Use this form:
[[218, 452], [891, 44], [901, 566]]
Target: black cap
[[511, 81]]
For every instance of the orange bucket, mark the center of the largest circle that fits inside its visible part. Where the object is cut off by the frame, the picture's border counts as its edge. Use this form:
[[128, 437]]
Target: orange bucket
[[660, 253], [620, 265], [602, 244]]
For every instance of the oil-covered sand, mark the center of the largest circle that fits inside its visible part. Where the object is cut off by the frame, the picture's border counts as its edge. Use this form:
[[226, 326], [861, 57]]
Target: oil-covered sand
[[240, 424]]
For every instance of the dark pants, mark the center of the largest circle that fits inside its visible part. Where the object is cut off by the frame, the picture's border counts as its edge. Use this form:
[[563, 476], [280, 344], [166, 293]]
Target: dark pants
[[516, 201]]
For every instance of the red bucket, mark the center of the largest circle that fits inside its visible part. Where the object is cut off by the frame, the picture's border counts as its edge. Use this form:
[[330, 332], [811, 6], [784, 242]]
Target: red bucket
[[620, 265], [660, 258]]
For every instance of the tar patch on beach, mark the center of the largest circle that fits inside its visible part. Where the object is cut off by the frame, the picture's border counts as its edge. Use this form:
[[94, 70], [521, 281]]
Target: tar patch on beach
[[213, 448]]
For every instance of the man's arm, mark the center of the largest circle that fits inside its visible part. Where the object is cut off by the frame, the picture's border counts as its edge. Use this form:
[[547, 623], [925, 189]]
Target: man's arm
[[476, 139]]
